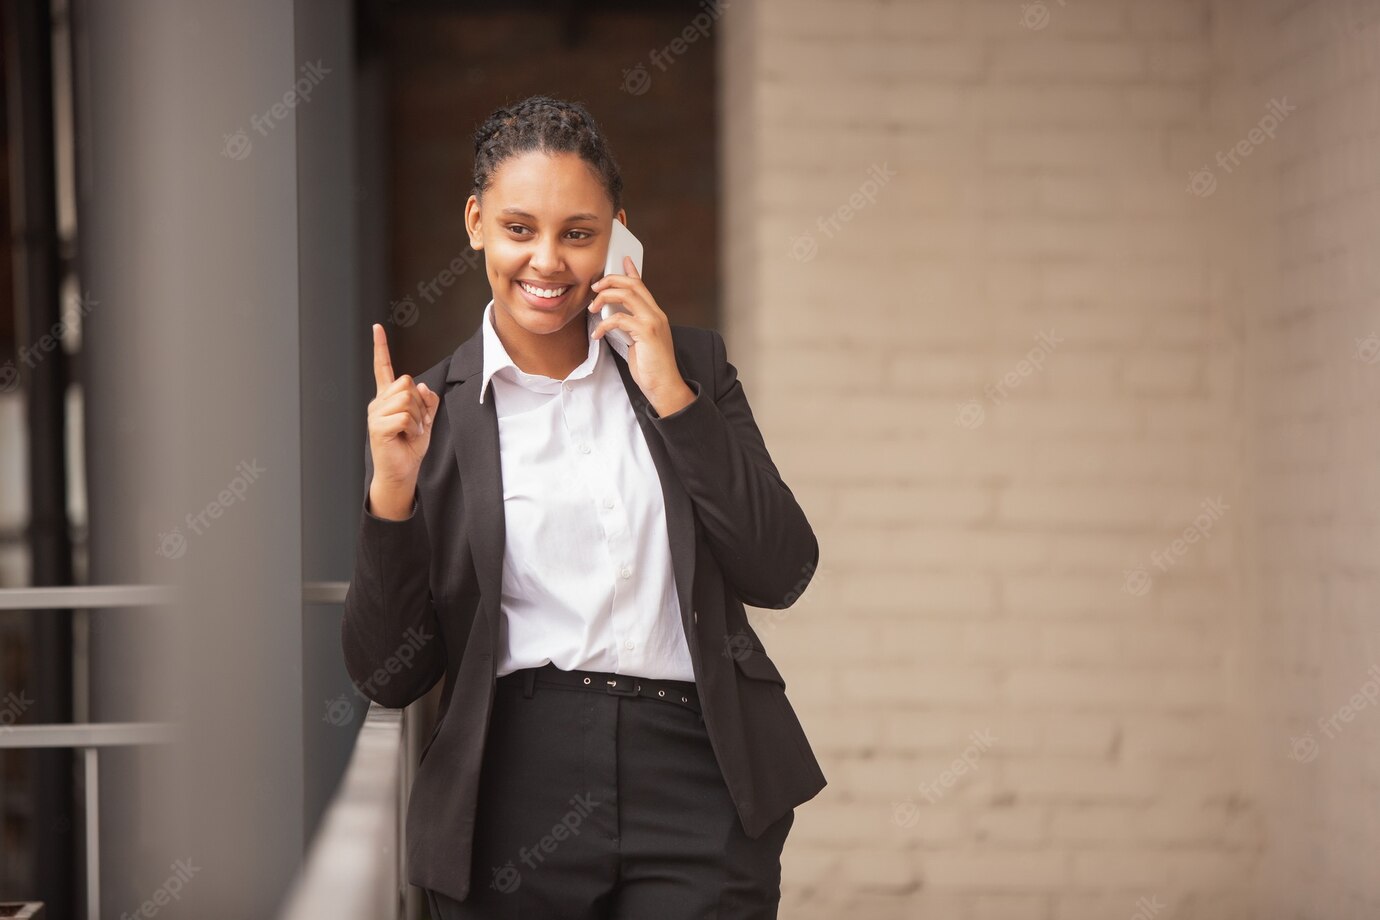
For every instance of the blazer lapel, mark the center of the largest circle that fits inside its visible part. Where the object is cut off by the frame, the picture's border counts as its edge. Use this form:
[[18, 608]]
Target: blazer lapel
[[474, 436]]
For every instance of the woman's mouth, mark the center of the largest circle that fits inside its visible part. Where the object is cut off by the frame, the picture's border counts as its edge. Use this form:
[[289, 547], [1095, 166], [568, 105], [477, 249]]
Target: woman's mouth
[[544, 297]]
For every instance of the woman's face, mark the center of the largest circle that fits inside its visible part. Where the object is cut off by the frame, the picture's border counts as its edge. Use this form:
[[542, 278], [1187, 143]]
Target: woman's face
[[544, 229]]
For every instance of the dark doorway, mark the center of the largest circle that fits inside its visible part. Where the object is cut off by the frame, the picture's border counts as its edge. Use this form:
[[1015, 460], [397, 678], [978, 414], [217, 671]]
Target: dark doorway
[[646, 71]]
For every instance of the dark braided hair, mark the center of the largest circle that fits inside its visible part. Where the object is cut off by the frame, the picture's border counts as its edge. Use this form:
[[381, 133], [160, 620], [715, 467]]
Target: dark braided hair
[[551, 126]]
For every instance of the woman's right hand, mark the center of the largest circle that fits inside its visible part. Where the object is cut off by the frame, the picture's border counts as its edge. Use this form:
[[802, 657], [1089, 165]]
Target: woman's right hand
[[400, 420]]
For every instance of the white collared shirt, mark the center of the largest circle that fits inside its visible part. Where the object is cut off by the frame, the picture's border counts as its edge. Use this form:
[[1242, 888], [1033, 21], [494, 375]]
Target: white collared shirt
[[587, 577]]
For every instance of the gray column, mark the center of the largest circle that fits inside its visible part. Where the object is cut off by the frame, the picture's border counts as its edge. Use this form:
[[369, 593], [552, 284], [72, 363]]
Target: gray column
[[189, 175]]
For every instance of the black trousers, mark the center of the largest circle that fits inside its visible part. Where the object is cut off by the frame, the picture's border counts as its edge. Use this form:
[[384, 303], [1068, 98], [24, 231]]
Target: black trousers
[[594, 805]]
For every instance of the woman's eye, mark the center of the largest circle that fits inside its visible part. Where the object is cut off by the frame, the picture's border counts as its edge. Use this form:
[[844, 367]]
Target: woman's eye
[[516, 228], [580, 234]]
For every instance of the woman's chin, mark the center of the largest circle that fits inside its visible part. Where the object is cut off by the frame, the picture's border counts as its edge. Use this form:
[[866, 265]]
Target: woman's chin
[[542, 322]]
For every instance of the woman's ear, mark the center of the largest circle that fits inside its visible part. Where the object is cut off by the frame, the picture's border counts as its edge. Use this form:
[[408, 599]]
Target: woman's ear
[[474, 225], [621, 216]]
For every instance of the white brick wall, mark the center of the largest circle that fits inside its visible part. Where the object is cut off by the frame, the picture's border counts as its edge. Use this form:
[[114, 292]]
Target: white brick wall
[[979, 516], [1305, 285]]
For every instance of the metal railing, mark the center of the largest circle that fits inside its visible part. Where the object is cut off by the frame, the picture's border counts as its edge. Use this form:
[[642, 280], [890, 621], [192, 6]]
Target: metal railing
[[355, 865], [355, 868], [88, 738]]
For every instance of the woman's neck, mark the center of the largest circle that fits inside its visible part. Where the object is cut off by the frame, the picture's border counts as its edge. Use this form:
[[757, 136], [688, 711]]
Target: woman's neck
[[554, 355]]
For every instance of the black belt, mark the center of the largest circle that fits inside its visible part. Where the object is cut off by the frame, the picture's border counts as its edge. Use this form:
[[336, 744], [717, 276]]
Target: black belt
[[677, 692]]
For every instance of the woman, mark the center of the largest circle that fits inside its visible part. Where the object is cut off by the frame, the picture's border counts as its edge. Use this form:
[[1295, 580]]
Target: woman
[[572, 554]]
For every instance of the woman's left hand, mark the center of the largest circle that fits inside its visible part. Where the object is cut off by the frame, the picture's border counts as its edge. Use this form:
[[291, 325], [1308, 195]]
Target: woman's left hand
[[652, 356]]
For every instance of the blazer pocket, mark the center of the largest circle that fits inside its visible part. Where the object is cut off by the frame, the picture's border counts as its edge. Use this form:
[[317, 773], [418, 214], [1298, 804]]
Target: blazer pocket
[[756, 665]]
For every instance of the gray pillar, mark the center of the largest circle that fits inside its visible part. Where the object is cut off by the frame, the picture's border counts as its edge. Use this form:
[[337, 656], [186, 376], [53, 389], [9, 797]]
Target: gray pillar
[[188, 167]]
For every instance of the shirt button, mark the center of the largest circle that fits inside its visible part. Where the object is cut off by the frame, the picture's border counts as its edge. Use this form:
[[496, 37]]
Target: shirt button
[[569, 387], [608, 503], [584, 448], [626, 572], [629, 645]]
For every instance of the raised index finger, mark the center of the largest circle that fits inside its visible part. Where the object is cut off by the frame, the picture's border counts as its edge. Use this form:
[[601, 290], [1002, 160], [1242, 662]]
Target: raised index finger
[[383, 362]]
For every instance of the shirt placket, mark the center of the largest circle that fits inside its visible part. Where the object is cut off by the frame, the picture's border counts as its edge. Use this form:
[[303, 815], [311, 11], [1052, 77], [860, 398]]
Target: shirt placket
[[577, 403]]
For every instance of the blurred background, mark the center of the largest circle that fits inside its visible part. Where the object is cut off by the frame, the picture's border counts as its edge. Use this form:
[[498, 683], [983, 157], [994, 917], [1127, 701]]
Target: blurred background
[[1061, 319]]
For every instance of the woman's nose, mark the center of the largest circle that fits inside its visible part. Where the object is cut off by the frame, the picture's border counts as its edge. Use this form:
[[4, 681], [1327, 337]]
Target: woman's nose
[[546, 260]]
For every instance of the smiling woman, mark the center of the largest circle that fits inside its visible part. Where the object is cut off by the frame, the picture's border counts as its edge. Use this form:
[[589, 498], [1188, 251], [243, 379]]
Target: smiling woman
[[582, 540], [546, 191], [541, 214]]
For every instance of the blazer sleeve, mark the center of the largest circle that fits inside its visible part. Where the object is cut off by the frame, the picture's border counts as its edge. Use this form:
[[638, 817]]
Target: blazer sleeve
[[390, 633], [752, 523]]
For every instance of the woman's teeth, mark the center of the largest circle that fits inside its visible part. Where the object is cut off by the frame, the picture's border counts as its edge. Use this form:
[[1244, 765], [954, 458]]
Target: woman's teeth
[[544, 292]]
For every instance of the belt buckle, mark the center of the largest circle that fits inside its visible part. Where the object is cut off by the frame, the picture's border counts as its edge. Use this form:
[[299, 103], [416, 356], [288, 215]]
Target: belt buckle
[[621, 686]]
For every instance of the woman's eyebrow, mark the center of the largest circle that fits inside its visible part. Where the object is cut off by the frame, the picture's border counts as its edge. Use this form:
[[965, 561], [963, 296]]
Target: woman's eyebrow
[[518, 212]]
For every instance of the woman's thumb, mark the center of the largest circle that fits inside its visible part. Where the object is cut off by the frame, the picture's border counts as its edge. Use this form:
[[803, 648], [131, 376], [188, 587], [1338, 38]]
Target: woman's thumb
[[429, 396]]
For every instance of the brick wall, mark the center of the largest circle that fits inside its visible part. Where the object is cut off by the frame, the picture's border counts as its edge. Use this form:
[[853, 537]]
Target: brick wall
[[1082, 421], [1303, 276]]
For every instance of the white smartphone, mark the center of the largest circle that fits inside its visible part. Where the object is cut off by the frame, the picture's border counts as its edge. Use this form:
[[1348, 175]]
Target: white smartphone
[[621, 243]]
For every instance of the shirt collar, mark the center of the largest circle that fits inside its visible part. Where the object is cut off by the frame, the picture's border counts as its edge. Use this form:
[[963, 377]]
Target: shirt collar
[[496, 358]]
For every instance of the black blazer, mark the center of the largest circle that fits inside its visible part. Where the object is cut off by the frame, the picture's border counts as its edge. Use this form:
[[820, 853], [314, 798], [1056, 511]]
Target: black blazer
[[424, 599]]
